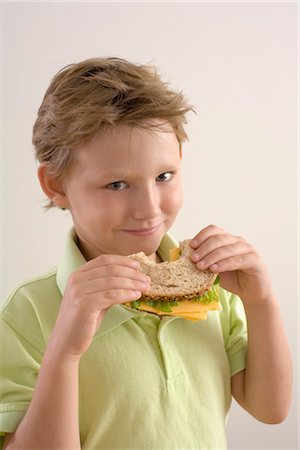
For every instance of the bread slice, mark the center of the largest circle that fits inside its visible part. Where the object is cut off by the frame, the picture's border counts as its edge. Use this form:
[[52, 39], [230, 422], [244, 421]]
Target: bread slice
[[175, 280]]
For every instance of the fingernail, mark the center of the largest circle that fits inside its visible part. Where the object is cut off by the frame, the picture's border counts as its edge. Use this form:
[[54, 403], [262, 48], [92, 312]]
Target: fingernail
[[136, 294], [201, 264], [195, 257], [146, 279], [135, 263]]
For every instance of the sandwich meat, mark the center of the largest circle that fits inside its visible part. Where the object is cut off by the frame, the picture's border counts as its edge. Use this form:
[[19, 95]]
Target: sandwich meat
[[177, 287]]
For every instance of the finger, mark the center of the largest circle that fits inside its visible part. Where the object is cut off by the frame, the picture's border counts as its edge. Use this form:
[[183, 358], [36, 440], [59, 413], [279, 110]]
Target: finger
[[234, 263], [238, 262], [222, 253], [213, 243], [112, 297], [203, 235], [106, 260], [100, 285], [115, 271]]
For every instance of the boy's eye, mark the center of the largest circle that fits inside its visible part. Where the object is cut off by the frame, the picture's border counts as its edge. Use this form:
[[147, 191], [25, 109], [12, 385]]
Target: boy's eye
[[117, 185], [166, 176]]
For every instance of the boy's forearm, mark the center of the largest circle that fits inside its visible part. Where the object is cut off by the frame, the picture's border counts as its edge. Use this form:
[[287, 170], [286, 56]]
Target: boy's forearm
[[51, 422], [268, 376]]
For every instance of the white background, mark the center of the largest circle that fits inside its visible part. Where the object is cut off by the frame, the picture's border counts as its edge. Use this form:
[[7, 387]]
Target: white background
[[237, 63]]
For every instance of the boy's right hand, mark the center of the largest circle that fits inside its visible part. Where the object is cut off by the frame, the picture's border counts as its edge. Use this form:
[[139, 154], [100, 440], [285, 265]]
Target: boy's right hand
[[102, 282]]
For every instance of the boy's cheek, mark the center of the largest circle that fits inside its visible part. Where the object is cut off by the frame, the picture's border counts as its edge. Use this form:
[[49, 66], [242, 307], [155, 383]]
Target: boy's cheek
[[177, 200], [180, 201]]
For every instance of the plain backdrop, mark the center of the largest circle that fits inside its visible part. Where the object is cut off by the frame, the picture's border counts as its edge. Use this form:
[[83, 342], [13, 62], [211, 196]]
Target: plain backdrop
[[237, 64]]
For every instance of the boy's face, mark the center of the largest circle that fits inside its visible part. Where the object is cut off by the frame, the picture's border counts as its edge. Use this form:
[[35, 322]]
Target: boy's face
[[124, 190]]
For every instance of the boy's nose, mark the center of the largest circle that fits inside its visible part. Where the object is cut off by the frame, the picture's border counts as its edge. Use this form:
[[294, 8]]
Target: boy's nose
[[146, 205]]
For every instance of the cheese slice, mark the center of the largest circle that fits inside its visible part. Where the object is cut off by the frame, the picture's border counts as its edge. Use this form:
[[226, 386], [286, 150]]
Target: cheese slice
[[174, 253], [185, 309]]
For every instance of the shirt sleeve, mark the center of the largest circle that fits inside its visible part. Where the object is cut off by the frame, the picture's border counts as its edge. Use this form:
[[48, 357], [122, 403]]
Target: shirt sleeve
[[19, 366], [234, 326]]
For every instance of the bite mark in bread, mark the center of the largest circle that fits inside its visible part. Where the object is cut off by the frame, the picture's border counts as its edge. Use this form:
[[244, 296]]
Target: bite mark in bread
[[175, 280]]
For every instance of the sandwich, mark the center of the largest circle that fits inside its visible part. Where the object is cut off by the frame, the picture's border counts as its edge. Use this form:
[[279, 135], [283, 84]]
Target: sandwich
[[177, 287]]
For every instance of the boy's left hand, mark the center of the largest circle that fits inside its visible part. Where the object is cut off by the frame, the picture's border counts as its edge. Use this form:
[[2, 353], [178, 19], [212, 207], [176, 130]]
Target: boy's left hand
[[240, 267]]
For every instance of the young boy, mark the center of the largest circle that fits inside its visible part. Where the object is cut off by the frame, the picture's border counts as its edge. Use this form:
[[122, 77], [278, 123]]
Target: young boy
[[81, 370]]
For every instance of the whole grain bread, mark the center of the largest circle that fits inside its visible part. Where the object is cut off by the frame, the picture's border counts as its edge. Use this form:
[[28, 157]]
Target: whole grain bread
[[175, 280]]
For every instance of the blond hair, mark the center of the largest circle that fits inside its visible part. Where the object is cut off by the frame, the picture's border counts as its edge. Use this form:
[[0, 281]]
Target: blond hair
[[85, 98]]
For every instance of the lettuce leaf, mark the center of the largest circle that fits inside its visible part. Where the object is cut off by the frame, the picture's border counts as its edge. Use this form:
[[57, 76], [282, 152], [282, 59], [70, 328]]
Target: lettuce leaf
[[161, 306], [210, 296], [135, 304], [217, 280]]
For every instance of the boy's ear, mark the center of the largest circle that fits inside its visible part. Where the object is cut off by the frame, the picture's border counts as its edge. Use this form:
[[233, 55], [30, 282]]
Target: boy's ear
[[52, 187]]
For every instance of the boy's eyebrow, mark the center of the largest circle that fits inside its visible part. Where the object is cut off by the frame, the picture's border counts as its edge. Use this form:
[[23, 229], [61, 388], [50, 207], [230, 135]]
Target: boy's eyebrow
[[120, 174], [113, 177]]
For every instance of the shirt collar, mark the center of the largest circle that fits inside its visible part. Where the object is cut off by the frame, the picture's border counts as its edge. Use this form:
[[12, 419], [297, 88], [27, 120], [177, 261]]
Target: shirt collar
[[73, 259]]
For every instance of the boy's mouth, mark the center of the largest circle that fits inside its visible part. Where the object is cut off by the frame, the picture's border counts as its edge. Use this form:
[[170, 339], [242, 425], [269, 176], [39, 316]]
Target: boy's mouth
[[142, 231]]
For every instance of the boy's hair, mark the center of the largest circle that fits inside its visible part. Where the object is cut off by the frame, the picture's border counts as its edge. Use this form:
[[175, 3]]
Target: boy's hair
[[86, 98]]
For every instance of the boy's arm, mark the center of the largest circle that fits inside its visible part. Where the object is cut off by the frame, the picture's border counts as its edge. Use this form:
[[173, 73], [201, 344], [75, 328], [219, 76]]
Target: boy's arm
[[264, 387], [52, 419]]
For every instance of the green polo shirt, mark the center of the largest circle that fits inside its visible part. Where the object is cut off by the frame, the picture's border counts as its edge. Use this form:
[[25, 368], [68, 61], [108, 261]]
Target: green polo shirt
[[145, 382]]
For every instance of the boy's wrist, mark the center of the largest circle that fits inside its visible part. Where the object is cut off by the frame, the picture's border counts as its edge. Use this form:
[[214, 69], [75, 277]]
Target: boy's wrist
[[267, 303], [55, 355]]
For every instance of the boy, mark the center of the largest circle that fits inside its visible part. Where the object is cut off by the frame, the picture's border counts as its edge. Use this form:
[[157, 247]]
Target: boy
[[80, 369]]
